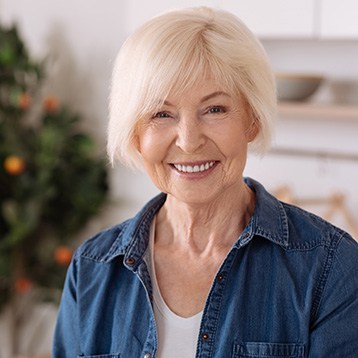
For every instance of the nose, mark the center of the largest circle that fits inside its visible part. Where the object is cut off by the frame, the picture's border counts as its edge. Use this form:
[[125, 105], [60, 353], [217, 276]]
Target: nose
[[190, 135]]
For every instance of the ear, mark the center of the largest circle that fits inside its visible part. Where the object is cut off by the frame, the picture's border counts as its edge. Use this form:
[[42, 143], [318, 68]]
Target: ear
[[252, 123], [135, 139], [253, 127], [136, 142], [253, 130]]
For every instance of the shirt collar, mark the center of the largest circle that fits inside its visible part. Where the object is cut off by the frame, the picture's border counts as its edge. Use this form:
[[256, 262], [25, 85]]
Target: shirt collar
[[269, 220]]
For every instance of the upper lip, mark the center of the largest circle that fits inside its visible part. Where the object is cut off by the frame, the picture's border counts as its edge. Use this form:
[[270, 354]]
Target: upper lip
[[196, 168], [194, 163]]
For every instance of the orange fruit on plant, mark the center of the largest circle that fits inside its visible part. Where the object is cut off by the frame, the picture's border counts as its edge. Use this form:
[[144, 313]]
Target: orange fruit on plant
[[51, 104], [63, 255], [14, 165], [23, 285], [24, 101]]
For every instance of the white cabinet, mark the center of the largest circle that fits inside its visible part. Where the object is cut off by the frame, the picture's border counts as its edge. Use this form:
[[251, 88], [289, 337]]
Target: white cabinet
[[339, 19], [266, 18], [136, 12], [297, 18], [275, 18]]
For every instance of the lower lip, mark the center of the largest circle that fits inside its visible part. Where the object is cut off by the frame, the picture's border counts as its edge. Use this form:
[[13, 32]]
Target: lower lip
[[196, 175]]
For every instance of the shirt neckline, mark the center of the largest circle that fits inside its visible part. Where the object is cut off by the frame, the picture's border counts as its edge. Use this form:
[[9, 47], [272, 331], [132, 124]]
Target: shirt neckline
[[158, 300]]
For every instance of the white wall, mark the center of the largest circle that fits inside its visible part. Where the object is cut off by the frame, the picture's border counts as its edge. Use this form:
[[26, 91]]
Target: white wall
[[315, 177], [82, 38]]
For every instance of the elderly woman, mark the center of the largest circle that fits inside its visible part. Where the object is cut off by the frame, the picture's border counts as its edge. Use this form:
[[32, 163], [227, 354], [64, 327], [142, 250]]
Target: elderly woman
[[214, 266]]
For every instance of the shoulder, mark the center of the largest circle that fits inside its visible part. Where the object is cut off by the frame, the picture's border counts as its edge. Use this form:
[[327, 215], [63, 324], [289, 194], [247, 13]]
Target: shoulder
[[307, 230], [104, 244], [293, 227], [323, 245], [118, 239]]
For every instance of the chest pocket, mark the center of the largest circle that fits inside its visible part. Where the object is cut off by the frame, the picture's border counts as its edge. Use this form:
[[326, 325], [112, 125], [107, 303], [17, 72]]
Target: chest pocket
[[268, 350], [115, 355]]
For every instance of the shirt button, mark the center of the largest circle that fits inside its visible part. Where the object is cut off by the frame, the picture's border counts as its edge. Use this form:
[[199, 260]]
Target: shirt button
[[147, 355], [220, 277], [130, 261], [204, 336]]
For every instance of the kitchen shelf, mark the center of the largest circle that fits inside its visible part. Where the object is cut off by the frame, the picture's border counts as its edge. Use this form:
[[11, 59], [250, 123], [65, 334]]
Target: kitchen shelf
[[318, 110]]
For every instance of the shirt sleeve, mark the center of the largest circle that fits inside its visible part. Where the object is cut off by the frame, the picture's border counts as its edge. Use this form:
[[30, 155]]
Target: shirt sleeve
[[66, 336], [334, 332]]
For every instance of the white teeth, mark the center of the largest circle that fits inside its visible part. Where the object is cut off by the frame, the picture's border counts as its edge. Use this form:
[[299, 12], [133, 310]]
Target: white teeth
[[195, 168]]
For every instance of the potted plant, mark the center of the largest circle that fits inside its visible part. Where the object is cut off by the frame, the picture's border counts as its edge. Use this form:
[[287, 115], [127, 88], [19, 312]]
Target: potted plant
[[51, 182]]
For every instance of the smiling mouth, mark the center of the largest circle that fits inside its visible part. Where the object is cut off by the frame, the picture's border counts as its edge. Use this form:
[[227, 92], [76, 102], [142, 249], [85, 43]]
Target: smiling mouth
[[197, 168]]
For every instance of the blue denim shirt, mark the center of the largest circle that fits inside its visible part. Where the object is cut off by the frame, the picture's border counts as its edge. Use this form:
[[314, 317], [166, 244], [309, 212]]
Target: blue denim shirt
[[287, 288]]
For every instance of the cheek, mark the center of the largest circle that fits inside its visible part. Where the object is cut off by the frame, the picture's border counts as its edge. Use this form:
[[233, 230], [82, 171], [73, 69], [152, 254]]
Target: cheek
[[152, 145], [233, 141]]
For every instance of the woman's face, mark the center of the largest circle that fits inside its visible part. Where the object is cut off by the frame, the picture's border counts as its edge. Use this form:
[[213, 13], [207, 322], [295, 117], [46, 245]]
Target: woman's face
[[195, 147]]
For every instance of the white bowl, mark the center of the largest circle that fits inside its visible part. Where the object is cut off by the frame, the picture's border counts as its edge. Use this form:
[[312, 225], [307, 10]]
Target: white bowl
[[296, 87], [345, 91]]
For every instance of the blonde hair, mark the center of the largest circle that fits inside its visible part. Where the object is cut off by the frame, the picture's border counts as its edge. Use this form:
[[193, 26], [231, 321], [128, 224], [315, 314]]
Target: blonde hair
[[170, 53]]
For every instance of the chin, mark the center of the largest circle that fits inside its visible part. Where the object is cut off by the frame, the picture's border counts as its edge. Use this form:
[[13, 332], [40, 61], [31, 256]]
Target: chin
[[195, 197]]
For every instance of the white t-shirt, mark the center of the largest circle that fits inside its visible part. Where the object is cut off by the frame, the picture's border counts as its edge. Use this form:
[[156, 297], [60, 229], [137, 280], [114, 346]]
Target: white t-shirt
[[177, 336]]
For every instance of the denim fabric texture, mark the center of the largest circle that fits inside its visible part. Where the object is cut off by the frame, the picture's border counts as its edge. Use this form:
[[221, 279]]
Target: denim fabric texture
[[287, 288]]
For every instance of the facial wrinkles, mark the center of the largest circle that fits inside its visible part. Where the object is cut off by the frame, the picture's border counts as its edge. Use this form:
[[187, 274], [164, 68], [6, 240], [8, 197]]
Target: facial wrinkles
[[223, 131], [234, 112], [198, 217]]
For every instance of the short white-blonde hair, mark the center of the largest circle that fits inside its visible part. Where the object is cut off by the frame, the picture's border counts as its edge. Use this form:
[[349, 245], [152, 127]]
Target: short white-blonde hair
[[169, 54]]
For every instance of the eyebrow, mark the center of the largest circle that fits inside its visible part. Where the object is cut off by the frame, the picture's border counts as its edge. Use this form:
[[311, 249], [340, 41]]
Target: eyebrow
[[214, 94], [205, 98]]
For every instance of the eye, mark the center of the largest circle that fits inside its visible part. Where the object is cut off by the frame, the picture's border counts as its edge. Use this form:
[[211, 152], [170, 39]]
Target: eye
[[216, 109], [161, 115]]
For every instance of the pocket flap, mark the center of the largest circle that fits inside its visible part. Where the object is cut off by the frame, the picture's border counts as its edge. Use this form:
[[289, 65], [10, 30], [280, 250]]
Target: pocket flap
[[265, 349], [112, 355]]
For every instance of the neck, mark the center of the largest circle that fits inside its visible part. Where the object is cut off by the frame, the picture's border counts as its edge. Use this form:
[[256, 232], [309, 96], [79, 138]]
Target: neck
[[208, 225]]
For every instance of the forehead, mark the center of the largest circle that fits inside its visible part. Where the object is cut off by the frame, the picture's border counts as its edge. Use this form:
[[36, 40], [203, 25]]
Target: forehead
[[187, 84], [202, 90]]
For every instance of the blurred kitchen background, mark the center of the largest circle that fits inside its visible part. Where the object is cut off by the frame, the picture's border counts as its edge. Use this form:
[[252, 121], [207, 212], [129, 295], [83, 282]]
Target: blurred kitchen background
[[314, 159]]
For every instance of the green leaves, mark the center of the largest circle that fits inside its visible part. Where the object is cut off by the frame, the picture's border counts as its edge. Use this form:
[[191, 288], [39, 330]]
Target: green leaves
[[51, 180]]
